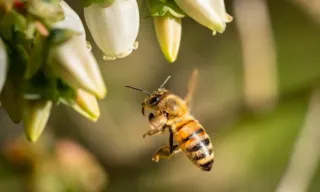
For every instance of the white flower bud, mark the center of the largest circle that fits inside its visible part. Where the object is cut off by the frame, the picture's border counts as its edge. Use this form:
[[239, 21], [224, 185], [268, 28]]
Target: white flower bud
[[71, 20], [35, 119], [114, 28], [87, 105], [3, 64], [168, 30], [209, 13], [78, 67]]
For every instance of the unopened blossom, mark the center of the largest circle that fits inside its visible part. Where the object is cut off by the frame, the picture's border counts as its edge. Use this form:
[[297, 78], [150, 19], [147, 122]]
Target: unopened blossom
[[114, 27], [168, 30], [167, 18], [37, 113], [78, 67], [71, 21], [209, 13], [87, 105]]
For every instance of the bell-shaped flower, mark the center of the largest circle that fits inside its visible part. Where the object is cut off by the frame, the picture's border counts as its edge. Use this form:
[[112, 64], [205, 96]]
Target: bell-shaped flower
[[78, 67], [37, 113], [209, 13], [167, 22], [168, 30], [3, 64], [71, 21], [114, 27], [87, 105]]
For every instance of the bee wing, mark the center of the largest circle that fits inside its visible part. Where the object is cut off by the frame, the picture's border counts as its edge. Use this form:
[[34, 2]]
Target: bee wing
[[191, 87]]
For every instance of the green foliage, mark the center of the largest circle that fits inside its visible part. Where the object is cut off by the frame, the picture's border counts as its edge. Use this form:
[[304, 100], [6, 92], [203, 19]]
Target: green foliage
[[164, 7], [59, 36], [49, 88], [11, 23], [48, 12], [38, 56], [29, 53], [102, 2]]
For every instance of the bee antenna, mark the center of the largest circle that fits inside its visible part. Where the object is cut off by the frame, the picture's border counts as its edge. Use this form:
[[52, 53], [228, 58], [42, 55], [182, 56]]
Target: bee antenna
[[146, 92], [165, 81]]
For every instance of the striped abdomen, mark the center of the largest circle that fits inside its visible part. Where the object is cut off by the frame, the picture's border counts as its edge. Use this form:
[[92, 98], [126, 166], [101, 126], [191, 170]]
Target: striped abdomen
[[195, 142]]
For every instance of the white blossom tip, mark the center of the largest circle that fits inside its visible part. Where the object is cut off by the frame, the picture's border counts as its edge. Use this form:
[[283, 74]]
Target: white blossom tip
[[114, 28]]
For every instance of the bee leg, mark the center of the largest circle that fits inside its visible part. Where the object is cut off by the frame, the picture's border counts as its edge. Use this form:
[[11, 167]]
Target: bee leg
[[153, 132], [164, 152], [171, 142], [157, 123]]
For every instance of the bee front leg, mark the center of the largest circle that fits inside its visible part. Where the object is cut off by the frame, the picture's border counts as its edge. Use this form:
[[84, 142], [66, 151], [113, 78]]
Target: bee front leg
[[157, 124], [152, 132], [166, 151]]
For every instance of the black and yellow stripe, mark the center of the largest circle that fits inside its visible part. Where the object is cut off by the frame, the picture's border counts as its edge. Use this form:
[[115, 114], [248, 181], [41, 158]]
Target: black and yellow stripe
[[195, 142]]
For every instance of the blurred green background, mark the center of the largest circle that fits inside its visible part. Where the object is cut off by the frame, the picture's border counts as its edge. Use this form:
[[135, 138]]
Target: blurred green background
[[257, 98]]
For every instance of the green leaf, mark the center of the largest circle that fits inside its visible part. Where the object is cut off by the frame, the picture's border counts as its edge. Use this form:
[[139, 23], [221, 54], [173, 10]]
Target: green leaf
[[104, 3], [31, 29], [12, 100], [20, 38], [38, 56], [12, 93], [66, 93], [59, 36], [18, 59], [164, 7], [41, 87], [45, 86], [10, 23]]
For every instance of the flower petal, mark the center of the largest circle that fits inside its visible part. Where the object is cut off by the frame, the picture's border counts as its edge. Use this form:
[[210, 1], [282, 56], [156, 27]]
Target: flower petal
[[78, 66], [114, 28], [211, 14], [71, 20]]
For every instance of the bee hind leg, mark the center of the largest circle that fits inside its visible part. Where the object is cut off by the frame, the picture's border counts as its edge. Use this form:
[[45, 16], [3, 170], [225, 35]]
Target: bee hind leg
[[164, 152]]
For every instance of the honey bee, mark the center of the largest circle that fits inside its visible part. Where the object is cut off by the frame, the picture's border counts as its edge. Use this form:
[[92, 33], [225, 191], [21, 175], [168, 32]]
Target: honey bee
[[173, 113]]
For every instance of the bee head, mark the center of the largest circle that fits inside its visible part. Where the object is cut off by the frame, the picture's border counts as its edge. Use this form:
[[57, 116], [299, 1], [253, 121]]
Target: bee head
[[153, 99]]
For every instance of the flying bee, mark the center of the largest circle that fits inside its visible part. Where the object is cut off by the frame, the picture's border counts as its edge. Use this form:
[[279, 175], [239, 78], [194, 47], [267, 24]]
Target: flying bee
[[173, 113]]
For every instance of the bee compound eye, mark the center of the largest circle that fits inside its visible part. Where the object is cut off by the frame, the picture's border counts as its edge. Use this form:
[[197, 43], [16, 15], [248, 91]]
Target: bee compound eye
[[154, 100]]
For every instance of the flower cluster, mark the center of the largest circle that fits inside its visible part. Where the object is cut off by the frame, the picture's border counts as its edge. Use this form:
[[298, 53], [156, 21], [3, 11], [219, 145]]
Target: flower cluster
[[114, 24], [45, 59]]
